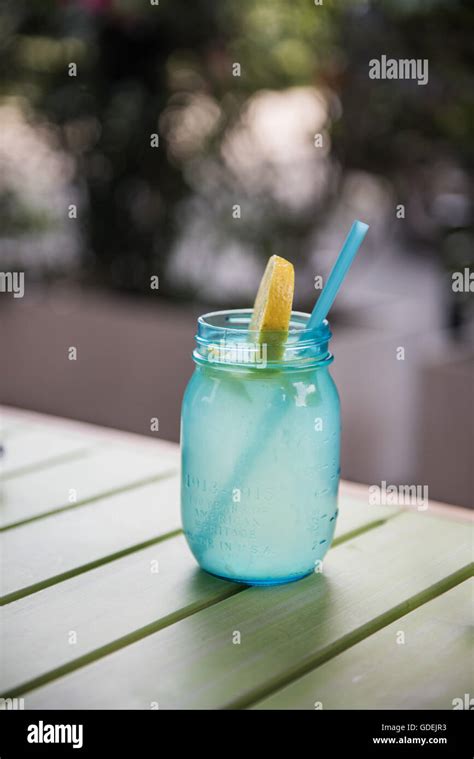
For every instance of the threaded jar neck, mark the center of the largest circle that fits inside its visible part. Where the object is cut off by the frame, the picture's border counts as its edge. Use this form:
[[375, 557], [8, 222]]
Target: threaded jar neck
[[223, 340]]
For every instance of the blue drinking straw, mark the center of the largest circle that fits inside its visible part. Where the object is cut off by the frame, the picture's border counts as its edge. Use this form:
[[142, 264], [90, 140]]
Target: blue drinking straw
[[348, 252]]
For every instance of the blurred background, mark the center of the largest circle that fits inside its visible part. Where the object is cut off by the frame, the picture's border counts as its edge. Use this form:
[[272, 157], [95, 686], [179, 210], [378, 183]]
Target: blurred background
[[180, 144]]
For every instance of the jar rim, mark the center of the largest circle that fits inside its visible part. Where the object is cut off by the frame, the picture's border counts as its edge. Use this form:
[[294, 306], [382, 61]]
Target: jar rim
[[223, 338], [215, 323]]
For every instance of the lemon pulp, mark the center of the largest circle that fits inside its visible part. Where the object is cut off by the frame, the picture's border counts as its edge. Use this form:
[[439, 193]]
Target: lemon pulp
[[272, 309]]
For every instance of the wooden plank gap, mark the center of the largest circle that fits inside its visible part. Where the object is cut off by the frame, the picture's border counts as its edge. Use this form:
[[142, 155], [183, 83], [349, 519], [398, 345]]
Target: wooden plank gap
[[362, 529], [93, 499], [122, 642], [45, 463], [347, 641], [10, 597]]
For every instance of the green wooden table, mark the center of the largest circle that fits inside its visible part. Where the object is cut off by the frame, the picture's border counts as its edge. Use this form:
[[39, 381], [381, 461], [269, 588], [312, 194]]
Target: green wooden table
[[104, 606]]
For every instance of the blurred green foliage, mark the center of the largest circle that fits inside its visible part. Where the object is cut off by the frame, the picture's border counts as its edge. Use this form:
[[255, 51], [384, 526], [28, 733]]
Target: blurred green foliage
[[168, 69]]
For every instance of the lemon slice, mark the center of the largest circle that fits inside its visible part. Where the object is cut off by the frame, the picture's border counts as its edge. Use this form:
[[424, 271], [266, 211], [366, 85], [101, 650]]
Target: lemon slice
[[273, 304]]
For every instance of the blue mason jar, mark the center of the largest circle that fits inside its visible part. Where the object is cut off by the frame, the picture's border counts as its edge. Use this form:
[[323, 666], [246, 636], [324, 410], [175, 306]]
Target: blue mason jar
[[260, 439]]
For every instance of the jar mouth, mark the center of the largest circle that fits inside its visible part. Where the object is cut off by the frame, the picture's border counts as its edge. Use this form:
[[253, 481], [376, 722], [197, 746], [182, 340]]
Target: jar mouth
[[223, 338]]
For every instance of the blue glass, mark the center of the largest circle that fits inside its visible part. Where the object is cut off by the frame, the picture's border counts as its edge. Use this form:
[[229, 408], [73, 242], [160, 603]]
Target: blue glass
[[260, 437]]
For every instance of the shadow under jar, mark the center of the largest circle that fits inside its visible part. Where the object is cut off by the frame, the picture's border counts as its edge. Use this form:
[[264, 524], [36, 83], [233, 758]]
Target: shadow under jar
[[260, 440]]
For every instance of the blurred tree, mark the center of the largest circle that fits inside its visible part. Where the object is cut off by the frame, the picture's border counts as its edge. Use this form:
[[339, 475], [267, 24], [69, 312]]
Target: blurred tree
[[170, 69]]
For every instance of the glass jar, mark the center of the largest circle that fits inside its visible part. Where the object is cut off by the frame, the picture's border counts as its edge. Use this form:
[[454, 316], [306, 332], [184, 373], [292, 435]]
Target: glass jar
[[260, 436]]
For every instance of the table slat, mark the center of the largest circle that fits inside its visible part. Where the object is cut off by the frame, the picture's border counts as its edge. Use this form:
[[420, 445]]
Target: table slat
[[106, 608], [48, 550], [367, 583], [70, 483], [427, 671], [28, 448]]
